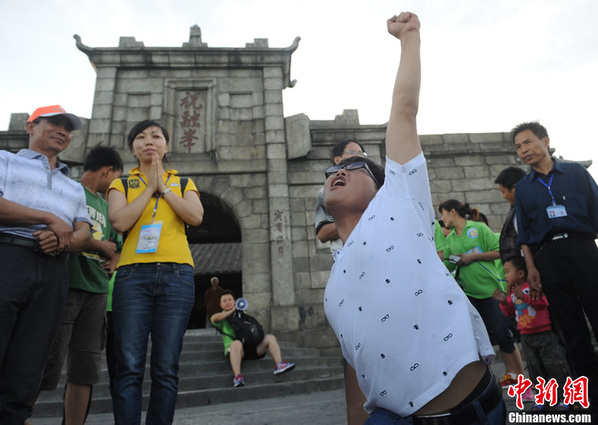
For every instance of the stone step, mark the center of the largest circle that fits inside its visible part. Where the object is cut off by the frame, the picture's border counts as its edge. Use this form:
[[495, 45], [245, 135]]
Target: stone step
[[220, 365], [206, 377], [195, 398], [218, 353], [306, 369]]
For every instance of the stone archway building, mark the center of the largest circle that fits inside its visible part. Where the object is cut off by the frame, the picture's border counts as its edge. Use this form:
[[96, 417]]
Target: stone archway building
[[223, 108]]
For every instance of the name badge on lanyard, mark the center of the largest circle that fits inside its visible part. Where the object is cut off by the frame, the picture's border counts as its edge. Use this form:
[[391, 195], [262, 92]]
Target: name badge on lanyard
[[149, 238], [554, 210], [149, 235]]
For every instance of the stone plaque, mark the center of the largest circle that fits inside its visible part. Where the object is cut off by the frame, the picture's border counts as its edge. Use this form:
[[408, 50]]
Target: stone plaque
[[190, 133]]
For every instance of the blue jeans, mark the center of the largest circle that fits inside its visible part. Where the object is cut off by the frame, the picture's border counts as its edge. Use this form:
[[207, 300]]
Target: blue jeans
[[156, 299]]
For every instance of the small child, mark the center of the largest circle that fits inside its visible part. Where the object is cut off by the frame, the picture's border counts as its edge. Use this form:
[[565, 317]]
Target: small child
[[540, 346]]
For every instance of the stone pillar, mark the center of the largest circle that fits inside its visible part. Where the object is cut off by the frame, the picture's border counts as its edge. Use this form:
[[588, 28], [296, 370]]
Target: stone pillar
[[283, 288], [103, 106]]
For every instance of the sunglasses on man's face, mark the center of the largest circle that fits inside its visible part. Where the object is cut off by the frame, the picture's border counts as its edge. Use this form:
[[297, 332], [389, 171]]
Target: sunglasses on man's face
[[350, 167]]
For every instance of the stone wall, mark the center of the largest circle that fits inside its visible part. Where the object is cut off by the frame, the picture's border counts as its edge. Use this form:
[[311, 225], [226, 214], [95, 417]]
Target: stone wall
[[223, 108], [461, 166]]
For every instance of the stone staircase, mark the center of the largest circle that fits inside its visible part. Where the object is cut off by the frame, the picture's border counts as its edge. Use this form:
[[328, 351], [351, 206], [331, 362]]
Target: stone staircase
[[206, 377]]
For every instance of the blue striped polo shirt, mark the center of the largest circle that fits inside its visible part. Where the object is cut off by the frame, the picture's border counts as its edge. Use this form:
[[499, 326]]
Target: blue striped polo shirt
[[26, 179]]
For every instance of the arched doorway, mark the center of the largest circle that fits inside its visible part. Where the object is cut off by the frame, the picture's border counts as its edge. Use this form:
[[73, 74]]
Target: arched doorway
[[216, 249]]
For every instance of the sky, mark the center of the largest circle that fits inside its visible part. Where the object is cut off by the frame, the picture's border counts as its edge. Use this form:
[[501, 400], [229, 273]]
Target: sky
[[487, 65]]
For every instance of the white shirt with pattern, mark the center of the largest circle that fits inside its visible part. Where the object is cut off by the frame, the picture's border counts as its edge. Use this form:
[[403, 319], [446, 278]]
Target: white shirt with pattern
[[403, 323]]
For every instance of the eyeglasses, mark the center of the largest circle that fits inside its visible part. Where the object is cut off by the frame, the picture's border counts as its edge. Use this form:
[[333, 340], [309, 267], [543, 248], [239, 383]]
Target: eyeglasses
[[352, 152], [350, 167]]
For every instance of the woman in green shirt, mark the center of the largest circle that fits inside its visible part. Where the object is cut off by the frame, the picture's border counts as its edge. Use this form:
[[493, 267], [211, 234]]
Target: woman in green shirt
[[472, 248]]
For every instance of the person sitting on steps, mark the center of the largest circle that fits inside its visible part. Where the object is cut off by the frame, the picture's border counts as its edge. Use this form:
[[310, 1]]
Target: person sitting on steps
[[236, 350]]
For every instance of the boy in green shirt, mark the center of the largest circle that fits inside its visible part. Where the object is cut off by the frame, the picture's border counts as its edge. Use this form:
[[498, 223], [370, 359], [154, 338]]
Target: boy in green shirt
[[82, 334]]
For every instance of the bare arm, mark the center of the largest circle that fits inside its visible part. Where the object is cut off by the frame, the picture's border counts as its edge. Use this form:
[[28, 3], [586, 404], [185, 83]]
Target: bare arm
[[355, 399], [533, 275], [327, 233], [219, 317], [49, 242], [13, 213], [106, 249], [467, 259], [123, 215], [111, 264], [188, 208], [81, 236], [402, 142], [499, 296]]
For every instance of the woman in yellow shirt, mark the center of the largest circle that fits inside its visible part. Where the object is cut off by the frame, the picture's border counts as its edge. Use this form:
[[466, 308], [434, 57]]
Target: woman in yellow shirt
[[154, 288]]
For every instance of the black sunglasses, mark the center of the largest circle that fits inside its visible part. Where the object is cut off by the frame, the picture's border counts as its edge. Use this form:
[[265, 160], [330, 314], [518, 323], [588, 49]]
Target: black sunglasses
[[350, 167]]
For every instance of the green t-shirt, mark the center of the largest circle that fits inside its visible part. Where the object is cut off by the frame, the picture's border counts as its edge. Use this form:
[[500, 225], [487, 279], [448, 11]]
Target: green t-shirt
[[85, 268], [480, 278], [110, 290], [501, 269], [224, 326]]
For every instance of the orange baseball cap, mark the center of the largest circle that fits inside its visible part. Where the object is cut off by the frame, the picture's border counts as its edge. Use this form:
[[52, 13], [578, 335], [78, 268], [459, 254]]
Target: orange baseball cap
[[49, 111]]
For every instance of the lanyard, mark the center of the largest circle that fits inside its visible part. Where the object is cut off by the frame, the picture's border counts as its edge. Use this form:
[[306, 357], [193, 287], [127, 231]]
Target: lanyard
[[157, 196], [548, 187]]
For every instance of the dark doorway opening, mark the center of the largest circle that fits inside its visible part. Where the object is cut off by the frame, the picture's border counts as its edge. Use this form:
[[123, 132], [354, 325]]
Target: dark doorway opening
[[216, 249]]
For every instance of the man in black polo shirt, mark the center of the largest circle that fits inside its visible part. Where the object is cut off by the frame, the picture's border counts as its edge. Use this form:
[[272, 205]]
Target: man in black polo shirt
[[506, 180], [557, 217]]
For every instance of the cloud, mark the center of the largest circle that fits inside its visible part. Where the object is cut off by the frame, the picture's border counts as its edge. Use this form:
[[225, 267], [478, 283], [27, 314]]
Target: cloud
[[486, 65]]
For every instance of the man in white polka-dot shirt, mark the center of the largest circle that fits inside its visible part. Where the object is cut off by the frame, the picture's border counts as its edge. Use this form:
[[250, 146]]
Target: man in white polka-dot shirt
[[413, 342]]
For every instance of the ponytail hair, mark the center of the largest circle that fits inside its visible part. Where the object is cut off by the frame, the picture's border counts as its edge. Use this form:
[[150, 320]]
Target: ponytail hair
[[464, 210]]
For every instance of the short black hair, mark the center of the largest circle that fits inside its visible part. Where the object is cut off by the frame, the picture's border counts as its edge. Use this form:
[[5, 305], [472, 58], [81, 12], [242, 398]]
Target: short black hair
[[377, 170], [339, 148], [141, 126], [518, 262], [538, 129], [226, 292], [509, 176], [102, 156]]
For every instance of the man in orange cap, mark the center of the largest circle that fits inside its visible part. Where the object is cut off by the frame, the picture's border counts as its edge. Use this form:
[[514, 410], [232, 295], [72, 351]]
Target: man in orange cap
[[43, 215]]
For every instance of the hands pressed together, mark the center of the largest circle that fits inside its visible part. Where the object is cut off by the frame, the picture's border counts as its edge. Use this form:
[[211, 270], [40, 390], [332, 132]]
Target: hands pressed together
[[155, 182]]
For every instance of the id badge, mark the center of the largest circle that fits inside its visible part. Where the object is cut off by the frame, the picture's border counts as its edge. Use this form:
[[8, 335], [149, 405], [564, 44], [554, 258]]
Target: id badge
[[555, 211], [149, 238]]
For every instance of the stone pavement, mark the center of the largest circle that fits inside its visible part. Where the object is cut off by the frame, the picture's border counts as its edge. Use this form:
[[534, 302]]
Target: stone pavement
[[316, 408]]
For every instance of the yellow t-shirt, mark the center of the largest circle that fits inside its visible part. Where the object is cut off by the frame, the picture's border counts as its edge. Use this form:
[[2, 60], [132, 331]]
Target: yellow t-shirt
[[173, 246]]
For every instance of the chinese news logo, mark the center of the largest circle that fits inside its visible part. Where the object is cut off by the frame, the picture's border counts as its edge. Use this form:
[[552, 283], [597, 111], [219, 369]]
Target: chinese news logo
[[574, 391]]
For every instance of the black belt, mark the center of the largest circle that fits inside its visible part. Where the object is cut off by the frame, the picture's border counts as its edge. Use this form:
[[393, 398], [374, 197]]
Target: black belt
[[569, 235], [559, 236], [29, 243], [467, 414]]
